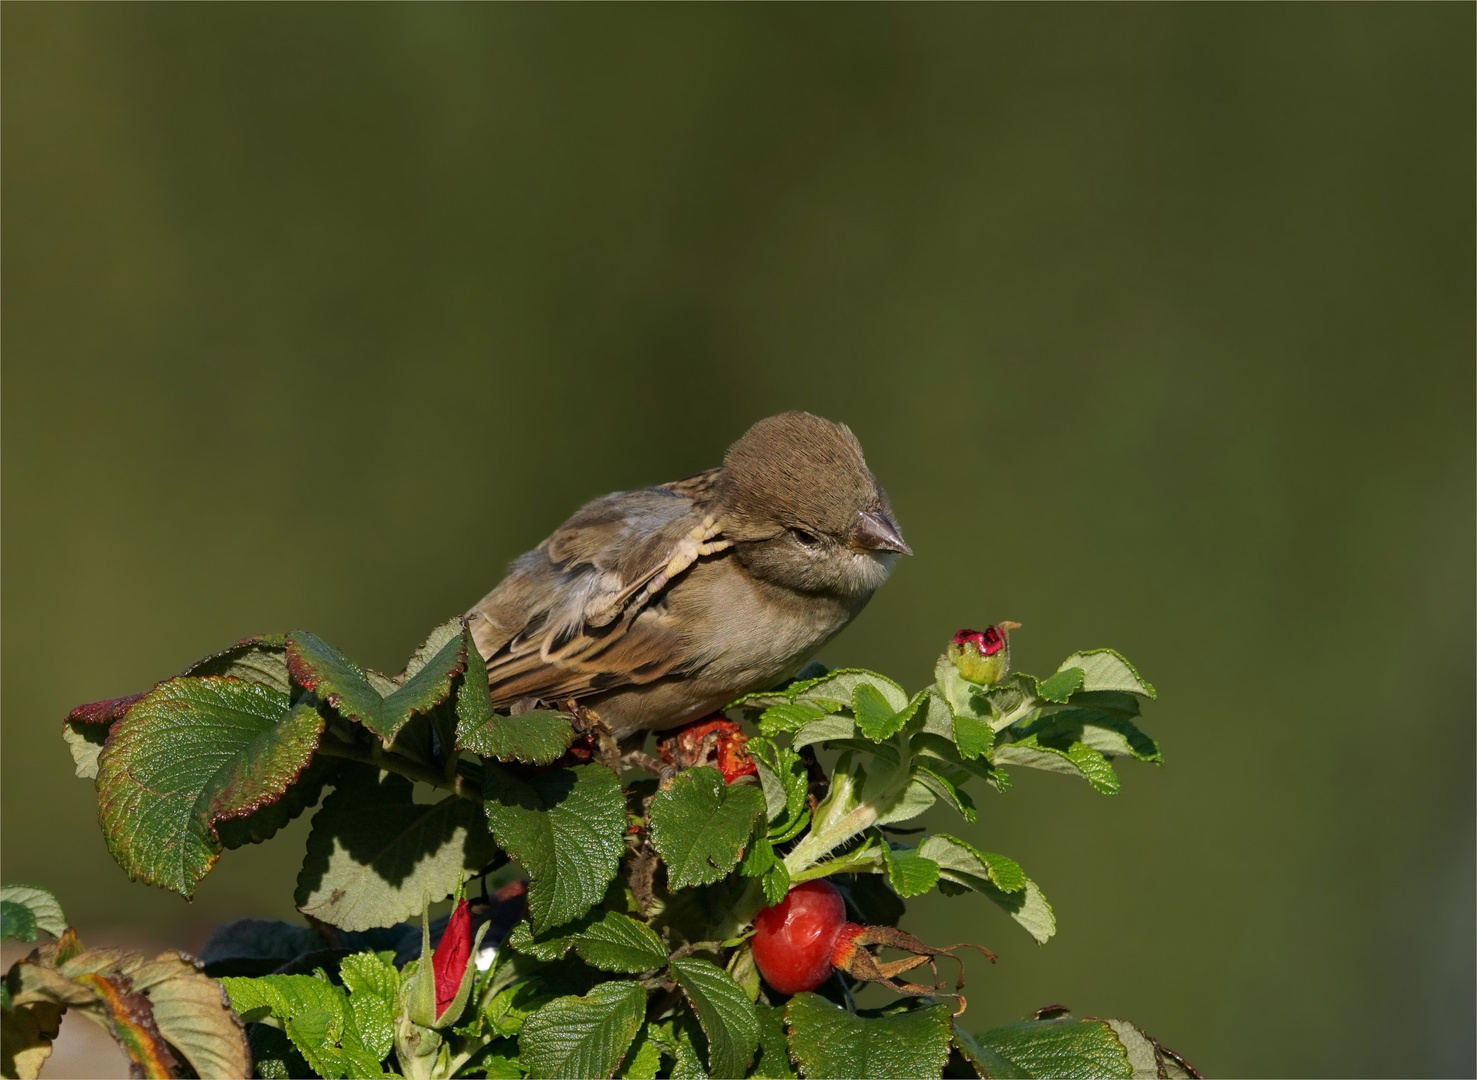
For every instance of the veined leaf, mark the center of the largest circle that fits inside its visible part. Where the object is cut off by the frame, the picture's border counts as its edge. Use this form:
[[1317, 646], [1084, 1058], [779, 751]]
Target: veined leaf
[[42, 909], [374, 998], [261, 660], [875, 717], [824, 730], [1055, 752], [1062, 685], [908, 872], [773, 1059], [994, 876], [788, 716], [190, 1014], [643, 1061], [376, 856], [1106, 669], [1074, 1049], [537, 737], [583, 1036], [725, 1012], [699, 825], [607, 940], [192, 754], [830, 1042], [315, 1015], [567, 827], [317, 666], [1110, 733]]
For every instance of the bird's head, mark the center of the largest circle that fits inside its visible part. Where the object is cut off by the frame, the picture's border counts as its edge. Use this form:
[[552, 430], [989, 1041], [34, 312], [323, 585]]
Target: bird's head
[[803, 509]]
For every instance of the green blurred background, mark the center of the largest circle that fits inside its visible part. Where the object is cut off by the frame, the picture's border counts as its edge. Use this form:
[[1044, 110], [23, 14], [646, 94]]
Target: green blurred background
[[1156, 321]]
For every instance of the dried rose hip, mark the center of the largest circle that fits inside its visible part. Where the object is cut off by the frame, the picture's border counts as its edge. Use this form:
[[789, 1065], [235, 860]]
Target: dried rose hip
[[794, 940], [724, 739]]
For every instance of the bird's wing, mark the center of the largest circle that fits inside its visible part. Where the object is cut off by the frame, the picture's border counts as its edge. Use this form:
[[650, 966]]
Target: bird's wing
[[575, 615]]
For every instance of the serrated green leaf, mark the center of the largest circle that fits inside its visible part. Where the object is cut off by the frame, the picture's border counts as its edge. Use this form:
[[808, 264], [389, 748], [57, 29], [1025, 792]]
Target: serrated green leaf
[[315, 1015], [1062, 685], [679, 1039], [773, 1060], [1106, 669], [375, 856], [193, 753], [830, 1042], [374, 998], [824, 730], [1053, 752], [607, 940], [317, 666], [947, 784], [643, 1061], [537, 737], [788, 716], [1110, 733], [1065, 1047], [17, 922], [994, 876], [44, 909], [783, 776], [725, 1012], [909, 873], [875, 717], [583, 1036], [699, 825], [567, 827], [261, 660]]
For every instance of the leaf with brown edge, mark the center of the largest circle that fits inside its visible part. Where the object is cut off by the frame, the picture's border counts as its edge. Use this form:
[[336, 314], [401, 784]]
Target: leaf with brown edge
[[317, 666], [192, 753], [192, 1012], [86, 729]]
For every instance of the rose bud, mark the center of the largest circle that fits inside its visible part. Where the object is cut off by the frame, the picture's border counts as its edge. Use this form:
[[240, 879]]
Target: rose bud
[[982, 656], [452, 955]]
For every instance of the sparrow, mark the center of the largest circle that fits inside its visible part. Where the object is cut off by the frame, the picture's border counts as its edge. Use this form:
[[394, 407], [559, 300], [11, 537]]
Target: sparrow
[[658, 606]]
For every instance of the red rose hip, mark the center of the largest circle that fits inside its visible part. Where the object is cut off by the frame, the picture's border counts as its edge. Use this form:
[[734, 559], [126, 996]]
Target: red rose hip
[[795, 940]]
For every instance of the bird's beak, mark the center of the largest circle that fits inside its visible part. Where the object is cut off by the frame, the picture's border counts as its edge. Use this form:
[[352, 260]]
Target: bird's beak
[[875, 531]]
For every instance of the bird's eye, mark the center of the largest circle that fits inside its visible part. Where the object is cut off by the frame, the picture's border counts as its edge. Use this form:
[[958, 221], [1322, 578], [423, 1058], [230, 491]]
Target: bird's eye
[[805, 538]]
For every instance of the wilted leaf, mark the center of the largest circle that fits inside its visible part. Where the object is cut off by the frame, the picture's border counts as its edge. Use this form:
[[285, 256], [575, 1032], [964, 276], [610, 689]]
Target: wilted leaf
[[567, 827], [192, 1013], [830, 1042], [192, 754], [699, 825], [376, 856], [725, 1012], [26, 1035], [583, 1036]]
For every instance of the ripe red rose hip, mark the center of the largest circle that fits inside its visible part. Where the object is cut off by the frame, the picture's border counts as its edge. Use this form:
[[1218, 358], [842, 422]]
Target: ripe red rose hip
[[795, 940]]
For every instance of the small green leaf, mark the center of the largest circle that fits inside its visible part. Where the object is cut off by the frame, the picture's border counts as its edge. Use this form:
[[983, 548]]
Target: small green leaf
[[374, 998], [1106, 669], [317, 666], [783, 776], [1062, 1047], [699, 825], [190, 756], [994, 876], [537, 737], [261, 660], [583, 1036], [760, 861], [830, 1042], [909, 873], [643, 1061], [1054, 752], [679, 1039], [824, 730], [725, 1012], [376, 856], [611, 942], [17, 922], [567, 827], [315, 1015], [45, 911], [773, 1059], [875, 716], [788, 716], [1062, 685]]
